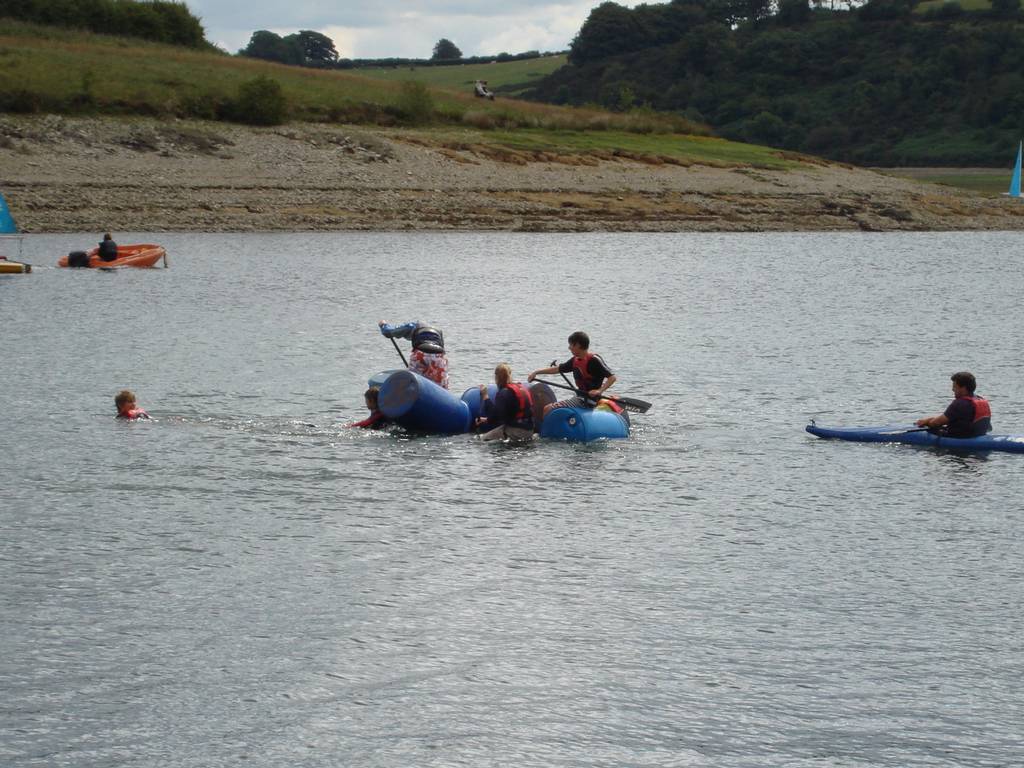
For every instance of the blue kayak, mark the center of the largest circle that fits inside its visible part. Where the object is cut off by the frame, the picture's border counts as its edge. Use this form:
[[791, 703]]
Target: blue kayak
[[913, 435]]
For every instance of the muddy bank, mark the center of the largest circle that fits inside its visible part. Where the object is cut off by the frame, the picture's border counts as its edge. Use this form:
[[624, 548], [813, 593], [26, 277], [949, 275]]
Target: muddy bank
[[70, 175]]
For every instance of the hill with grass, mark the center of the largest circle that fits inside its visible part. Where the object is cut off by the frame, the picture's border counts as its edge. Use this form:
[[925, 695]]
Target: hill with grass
[[890, 83], [51, 70]]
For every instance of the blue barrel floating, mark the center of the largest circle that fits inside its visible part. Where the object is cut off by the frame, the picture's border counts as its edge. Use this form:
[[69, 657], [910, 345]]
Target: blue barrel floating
[[378, 379], [582, 425], [421, 405]]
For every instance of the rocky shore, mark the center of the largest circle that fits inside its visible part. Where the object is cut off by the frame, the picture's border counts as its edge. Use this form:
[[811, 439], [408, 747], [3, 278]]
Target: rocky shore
[[76, 174]]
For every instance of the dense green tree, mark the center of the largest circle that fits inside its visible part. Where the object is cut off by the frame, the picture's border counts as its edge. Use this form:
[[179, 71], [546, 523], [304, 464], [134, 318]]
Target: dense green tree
[[270, 46], [877, 84], [162, 21], [446, 50], [317, 49]]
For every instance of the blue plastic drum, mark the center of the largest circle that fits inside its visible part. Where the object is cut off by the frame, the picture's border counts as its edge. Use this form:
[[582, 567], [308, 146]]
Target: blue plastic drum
[[421, 405]]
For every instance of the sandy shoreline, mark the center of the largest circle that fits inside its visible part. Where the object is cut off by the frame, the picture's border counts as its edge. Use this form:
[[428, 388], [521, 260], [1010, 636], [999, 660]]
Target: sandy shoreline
[[78, 174]]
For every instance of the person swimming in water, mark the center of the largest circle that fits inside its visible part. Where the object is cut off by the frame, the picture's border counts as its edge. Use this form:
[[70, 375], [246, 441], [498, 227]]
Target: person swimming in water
[[376, 419], [126, 406]]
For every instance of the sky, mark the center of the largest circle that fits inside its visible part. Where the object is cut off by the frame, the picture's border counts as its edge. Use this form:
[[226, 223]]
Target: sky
[[402, 28]]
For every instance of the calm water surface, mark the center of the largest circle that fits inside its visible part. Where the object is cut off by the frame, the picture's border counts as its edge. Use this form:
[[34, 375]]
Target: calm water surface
[[244, 582]]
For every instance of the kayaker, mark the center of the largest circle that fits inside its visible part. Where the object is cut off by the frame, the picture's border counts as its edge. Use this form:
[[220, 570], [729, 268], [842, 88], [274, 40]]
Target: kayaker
[[108, 248], [376, 419], [126, 407], [967, 416], [428, 357], [590, 371], [510, 414]]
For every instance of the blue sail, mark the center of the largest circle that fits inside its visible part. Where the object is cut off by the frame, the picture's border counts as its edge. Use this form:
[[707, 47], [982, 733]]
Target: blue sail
[[1015, 181], [7, 225]]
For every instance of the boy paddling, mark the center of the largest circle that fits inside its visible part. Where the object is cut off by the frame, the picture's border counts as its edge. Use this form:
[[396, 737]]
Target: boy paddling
[[591, 373]]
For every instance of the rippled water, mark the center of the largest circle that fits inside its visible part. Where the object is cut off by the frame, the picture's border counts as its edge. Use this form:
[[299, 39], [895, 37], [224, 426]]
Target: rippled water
[[243, 582]]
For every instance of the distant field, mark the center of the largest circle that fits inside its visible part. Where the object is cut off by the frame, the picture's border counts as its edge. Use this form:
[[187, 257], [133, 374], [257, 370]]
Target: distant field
[[967, 5], [987, 180], [512, 76]]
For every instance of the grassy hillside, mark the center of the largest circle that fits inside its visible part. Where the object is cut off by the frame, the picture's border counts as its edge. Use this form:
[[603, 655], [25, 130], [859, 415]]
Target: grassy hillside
[[507, 78], [44, 69]]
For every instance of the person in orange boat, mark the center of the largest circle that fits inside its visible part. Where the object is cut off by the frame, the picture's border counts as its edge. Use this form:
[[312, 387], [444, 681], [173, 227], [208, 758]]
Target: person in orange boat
[[376, 419], [108, 248], [126, 406]]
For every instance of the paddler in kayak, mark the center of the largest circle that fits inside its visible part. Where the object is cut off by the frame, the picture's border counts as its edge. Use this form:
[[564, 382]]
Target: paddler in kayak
[[376, 419], [126, 407], [589, 370], [428, 357], [967, 416], [510, 414]]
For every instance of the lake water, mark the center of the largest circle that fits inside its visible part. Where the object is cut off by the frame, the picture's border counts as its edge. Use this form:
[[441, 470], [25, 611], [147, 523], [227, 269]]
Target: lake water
[[244, 582]]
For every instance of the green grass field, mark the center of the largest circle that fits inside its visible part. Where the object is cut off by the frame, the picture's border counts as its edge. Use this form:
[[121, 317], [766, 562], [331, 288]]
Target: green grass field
[[967, 5], [991, 182], [512, 76]]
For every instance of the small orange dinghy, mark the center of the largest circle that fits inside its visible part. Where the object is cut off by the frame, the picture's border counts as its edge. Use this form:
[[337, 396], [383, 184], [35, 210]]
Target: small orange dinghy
[[142, 255]]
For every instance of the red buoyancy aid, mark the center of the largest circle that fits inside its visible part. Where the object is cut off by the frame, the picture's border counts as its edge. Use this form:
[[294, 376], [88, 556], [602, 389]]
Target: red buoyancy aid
[[982, 410], [525, 398], [580, 372]]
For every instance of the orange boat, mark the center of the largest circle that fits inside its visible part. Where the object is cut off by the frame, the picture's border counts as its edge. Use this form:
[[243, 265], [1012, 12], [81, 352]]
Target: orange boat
[[142, 255]]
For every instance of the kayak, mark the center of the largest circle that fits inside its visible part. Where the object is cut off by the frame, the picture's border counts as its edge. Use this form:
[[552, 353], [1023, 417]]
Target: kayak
[[913, 435], [140, 255], [8, 267]]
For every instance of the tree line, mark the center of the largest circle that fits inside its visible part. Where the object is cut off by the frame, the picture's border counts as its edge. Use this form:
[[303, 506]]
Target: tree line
[[307, 48], [162, 21], [881, 84]]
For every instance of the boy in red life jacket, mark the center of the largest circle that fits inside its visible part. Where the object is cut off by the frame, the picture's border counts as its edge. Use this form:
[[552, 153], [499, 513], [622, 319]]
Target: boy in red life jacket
[[591, 373], [967, 416], [376, 419], [510, 414], [126, 407]]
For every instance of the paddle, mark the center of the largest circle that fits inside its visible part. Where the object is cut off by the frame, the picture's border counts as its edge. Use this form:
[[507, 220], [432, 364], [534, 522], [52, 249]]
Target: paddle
[[905, 431], [399, 351], [628, 403]]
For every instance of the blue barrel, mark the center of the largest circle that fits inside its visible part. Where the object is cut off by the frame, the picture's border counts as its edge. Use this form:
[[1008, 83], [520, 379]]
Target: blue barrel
[[581, 425], [421, 405], [378, 379], [471, 397]]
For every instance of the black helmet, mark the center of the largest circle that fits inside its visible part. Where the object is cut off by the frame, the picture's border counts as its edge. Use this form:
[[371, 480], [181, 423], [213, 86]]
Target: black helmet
[[427, 339]]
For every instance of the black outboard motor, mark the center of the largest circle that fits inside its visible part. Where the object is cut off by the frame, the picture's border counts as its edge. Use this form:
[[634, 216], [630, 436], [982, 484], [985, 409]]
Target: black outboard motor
[[78, 259]]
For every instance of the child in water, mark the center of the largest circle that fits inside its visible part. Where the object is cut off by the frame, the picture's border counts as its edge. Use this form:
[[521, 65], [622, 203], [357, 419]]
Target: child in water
[[126, 407], [376, 419]]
